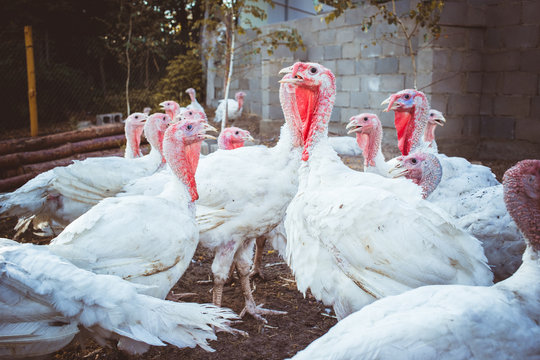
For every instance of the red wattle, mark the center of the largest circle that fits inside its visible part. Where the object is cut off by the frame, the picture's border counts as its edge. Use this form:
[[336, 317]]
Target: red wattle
[[402, 120]]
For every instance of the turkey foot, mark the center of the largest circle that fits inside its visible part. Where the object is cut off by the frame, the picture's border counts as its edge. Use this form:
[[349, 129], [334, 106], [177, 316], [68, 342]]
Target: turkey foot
[[251, 308]]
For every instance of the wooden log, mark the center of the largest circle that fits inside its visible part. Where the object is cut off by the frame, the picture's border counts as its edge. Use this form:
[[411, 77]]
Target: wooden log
[[14, 182], [11, 161], [47, 141]]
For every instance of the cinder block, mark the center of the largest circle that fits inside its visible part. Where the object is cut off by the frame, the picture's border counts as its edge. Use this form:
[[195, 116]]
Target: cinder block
[[528, 129], [441, 58], [502, 61], [529, 11], [517, 106], [347, 113], [452, 129], [493, 38], [439, 102], [365, 66], [474, 82], [476, 16], [519, 83], [505, 13], [471, 126], [405, 65], [530, 60], [359, 100], [391, 49], [497, 128], [453, 12], [472, 62], [463, 104], [345, 67], [387, 65], [451, 39], [351, 50], [490, 81], [342, 99], [447, 82], [354, 16], [392, 83], [345, 35], [475, 39], [329, 64], [535, 107], [387, 120], [372, 51], [521, 36], [108, 118], [486, 105], [327, 36], [349, 83], [315, 53], [425, 59], [332, 52], [275, 112], [371, 83]]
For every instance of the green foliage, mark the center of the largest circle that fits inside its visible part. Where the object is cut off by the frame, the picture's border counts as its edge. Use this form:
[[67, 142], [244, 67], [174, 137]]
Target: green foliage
[[183, 72]]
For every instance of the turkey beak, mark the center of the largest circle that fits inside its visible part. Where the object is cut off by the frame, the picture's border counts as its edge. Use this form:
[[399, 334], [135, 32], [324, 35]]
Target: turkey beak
[[162, 105], [353, 126], [286, 70], [248, 137], [440, 121], [208, 127], [401, 172], [390, 101]]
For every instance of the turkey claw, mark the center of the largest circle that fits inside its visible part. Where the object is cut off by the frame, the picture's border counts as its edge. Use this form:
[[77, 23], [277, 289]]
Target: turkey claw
[[257, 311]]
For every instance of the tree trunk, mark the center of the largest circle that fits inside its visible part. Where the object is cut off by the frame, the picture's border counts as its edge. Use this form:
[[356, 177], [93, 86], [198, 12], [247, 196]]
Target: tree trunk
[[229, 64], [128, 63]]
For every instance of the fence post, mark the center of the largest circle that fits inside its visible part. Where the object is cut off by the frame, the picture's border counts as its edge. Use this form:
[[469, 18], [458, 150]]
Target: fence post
[[31, 72]]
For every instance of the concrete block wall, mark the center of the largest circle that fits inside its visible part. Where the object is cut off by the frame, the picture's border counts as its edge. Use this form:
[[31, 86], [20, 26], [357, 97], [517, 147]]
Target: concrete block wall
[[483, 73]]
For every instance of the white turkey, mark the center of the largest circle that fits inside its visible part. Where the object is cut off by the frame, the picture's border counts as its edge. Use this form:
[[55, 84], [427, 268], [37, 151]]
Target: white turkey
[[484, 215], [45, 300], [194, 103], [120, 236], [171, 108], [233, 138], [243, 194], [435, 118], [234, 108], [133, 128], [411, 118], [62, 194], [454, 321], [352, 237], [469, 192]]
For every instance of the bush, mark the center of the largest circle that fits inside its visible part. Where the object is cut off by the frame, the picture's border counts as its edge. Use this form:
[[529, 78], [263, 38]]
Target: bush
[[183, 72]]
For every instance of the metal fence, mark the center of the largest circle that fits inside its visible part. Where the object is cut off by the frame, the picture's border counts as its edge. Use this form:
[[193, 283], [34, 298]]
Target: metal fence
[[74, 82]]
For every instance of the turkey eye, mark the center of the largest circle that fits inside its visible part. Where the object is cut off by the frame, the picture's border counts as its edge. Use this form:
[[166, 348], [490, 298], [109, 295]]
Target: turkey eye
[[432, 115], [365, 119], [136, 117], [236, 133], [313, 70], [189, 127], [190, 113], [407, 96], [413, 160]]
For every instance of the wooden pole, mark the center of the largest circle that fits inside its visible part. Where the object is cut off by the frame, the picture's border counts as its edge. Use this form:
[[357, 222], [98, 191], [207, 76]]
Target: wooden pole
[[31, 71]]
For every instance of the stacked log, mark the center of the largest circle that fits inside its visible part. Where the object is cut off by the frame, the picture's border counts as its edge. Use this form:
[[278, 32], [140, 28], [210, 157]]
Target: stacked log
[[23, 159]]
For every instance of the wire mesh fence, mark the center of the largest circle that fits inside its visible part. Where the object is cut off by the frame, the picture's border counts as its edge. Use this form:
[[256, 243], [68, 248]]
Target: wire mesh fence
[[74, 81]]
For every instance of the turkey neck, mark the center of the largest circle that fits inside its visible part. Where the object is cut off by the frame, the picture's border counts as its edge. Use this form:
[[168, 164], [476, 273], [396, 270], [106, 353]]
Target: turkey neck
[[410, 134], [370, 144], [155, 137], [226, 143], [240, 101], [183, 160], [133, 141]]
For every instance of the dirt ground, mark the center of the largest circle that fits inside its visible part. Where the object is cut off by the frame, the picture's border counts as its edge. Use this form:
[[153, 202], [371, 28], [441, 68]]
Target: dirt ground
[[282, 337]]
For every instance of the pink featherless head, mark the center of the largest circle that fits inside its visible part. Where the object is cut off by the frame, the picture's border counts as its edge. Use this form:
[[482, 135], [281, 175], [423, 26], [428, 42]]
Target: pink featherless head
[[522, 198], [232, 138]]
